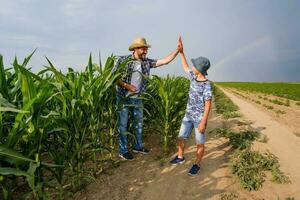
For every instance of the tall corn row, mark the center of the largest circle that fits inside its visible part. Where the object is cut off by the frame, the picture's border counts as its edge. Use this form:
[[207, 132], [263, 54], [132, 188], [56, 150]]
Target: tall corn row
[[52, 122], [166, 101]]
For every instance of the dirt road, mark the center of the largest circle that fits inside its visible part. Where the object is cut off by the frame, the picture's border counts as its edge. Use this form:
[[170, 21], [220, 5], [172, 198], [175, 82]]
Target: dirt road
[[151, 177], [283, 143]]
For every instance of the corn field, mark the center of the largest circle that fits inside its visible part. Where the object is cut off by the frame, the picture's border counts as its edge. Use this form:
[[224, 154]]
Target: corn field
[[58, 129]]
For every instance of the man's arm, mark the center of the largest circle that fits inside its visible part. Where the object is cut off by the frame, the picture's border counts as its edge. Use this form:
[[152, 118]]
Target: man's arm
[[170, 57], [127, 86], [167, 59], [202, 124], [121, 83]]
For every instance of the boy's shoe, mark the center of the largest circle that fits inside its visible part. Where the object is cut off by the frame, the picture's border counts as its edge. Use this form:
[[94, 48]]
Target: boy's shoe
[[142, 150], [126, 156], [194, 170], [177, 160]]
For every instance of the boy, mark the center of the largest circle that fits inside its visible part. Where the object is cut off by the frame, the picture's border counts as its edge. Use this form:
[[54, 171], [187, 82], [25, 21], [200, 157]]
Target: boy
[[197, 111]]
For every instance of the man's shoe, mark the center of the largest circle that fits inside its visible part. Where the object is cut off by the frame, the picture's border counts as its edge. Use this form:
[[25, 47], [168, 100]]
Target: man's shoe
[[177, 160], [142, 150], [194, 170], [126, 156]]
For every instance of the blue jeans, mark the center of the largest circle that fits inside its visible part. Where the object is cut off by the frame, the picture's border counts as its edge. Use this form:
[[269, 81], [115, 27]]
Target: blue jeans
[[135, 107], [186, 129]]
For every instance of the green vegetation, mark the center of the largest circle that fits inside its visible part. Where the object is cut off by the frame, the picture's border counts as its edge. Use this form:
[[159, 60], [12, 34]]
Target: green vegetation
[[58, 130], [258, 102], [286, 90], [278, 102], [51, 124], [166, 100], [228, 196], [268, 107], [239, 140], [224, 105], [250, 166]]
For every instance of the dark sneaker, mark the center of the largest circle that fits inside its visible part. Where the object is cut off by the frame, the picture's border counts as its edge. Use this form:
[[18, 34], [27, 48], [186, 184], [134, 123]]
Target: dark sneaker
[[142, 150], [177, 160], [194, 170], [126, 156]]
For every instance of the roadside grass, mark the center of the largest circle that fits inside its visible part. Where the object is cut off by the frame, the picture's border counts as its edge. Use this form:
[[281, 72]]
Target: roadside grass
[[279, 102], [228, 196], [239, 140], [285, 90], [250, 167], [268, 106], [224, 105]]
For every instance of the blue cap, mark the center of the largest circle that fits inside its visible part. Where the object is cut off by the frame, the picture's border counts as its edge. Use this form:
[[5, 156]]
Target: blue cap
[[202, 64]]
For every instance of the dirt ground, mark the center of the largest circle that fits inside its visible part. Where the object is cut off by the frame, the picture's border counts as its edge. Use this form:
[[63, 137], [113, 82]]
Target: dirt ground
[[290, 118], [151, 177]]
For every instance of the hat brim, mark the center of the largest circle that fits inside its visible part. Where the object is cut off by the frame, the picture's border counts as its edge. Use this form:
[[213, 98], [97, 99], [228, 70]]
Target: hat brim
[[134, 46]]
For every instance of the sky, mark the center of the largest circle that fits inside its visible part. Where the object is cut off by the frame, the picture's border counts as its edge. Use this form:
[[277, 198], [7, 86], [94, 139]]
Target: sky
[[245, 40]]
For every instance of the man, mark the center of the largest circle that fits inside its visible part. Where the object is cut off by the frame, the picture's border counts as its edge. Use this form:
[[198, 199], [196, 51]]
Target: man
[[129, 89]]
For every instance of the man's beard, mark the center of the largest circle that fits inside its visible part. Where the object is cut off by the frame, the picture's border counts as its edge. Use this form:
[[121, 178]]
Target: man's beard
[[143, 56]]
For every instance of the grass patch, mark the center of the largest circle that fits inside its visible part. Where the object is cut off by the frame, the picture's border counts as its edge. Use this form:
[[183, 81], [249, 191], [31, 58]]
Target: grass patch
[[228, 196], [285, 90], [262, 138], [239, 140], [258, 102], [279, 112], [279, 102], [250, 167], [268, 107], [224, 105]]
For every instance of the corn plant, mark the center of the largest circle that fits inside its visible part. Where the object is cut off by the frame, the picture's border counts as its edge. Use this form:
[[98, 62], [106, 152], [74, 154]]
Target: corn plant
[[166, 99], [51, 122]]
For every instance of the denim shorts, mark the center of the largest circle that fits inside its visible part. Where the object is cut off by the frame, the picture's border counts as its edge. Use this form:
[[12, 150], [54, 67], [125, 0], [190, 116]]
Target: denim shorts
[[186, 130]]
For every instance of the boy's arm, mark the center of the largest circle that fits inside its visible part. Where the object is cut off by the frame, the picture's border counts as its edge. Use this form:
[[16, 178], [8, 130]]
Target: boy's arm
[[183, 58], [184, 62], [202, 124]]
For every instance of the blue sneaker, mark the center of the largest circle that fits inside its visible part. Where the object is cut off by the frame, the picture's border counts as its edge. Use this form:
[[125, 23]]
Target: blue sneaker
[[177, 160], [194, 170]]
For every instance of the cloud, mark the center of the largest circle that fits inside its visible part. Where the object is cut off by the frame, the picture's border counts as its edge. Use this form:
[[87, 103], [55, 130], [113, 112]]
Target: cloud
[[232, 34]]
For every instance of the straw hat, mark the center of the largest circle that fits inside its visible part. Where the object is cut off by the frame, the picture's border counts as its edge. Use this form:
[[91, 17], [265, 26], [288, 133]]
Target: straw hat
[[138, 42]]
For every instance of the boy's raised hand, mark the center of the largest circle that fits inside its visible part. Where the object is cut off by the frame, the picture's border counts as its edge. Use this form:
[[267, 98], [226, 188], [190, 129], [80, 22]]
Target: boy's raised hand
[[180, 45]]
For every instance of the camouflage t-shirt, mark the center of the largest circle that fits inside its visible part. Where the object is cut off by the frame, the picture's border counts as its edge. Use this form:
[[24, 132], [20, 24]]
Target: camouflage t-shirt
[[199, 92]]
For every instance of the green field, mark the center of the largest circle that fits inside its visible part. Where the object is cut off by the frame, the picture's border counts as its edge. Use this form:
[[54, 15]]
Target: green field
[[286, 90], [52, 124]]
